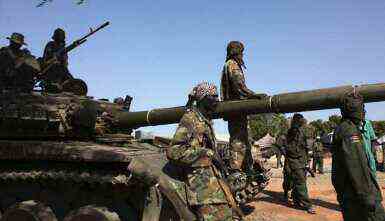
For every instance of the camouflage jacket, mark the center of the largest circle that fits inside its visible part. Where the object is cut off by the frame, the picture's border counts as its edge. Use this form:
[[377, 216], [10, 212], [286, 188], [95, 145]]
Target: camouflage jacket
[[191, 149], [49, 51], [317, 149], [351, 176], [233, 85], [13, 73], [8, 59]]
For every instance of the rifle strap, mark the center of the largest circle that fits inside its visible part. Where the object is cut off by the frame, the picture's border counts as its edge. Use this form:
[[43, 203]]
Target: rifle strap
[[228, 194]]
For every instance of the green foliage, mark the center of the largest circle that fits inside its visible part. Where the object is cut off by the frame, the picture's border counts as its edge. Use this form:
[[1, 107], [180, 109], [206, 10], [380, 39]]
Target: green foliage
[[45, 2], [261, 124], [324, 127], [379, 127]]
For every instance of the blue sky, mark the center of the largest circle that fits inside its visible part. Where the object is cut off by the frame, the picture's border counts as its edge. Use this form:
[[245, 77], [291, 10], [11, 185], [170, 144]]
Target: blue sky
[[156, 51]]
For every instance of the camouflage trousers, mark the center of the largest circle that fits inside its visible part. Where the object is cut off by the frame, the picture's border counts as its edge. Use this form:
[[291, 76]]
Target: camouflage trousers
[[318, 162], [353, 210], [240, 148], [214, 212]]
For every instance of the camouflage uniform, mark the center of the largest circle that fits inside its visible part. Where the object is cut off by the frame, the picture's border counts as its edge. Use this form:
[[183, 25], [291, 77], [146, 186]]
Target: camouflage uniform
[[194, 151], [57, 73], [318, 157], [191, 149], [233, 87], [13, 74], [296, 160], [358, 192]]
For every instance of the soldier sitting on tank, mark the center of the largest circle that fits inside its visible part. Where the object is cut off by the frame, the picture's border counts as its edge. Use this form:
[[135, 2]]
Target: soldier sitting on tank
[[58, 73], [14, 73], [193, 149], [125, 104]]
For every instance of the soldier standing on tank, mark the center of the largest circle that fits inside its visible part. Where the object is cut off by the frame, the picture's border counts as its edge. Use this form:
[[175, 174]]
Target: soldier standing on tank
[[358, 192], [296, 161], [194, 149], [58, 73], [233, 87], [318, 156], [11, 62]]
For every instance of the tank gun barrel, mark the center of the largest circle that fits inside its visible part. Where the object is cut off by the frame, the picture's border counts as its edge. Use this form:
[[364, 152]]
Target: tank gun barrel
[[320, 99]]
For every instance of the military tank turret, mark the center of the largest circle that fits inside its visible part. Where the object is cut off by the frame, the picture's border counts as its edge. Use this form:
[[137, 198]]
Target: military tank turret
[[68, 157]]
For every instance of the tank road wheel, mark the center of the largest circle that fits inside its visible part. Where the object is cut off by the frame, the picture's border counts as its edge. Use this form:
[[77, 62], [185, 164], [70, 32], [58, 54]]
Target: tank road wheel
[[29, 211], [92, 213]]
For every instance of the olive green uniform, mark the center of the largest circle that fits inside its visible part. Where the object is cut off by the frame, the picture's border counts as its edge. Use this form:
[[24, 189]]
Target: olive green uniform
[[192, 149], [318, 157], [295, 163], [358, 192]]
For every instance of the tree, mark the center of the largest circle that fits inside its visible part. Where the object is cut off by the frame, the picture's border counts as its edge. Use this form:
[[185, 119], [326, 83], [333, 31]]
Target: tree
[[319, 127], [379, 127], [262, 124]]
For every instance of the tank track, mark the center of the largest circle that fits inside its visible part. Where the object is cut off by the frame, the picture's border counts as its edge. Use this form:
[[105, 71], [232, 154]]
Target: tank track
[[66, 192]]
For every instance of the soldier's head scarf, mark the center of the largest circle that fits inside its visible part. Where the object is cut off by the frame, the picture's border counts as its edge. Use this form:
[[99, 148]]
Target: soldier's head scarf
[[59, 34], [352, 107], [235, 52], [201, 91]]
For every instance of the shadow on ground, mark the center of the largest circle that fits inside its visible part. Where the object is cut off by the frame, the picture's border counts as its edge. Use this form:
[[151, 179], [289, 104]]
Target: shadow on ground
[[277, 198]]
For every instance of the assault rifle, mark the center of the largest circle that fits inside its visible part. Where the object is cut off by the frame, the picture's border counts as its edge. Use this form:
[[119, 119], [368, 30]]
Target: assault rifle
[[48, 64]]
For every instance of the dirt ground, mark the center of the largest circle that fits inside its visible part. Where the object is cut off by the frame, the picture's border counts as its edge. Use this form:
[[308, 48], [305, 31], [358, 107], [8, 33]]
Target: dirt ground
[[270, 207]]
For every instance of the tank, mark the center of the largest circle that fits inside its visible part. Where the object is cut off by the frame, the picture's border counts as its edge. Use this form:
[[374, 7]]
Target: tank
[[62, 159], [68, 157]]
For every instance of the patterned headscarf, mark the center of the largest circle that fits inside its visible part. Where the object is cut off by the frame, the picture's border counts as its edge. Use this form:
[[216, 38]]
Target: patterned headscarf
[[235, 51], [201, 91]]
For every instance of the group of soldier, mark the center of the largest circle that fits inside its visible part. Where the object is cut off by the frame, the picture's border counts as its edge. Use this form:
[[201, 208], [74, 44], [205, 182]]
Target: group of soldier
[[194, 151], [20, 71]]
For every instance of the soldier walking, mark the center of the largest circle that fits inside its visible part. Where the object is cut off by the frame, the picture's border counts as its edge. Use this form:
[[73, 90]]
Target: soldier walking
[[358, 192], [58, 73], [233, 87], [295, 163], [318, 156], [194, 151]]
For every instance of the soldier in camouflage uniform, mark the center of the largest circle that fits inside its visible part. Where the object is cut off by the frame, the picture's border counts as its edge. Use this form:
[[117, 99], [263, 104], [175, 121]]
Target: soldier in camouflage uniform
[[358, 192], [233, 87], [295, 163], [193, 149], [318, 156], [13, 74], [58, 73]]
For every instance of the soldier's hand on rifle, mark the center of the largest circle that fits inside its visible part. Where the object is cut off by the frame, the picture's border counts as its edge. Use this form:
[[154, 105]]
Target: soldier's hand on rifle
[[258, 96]]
